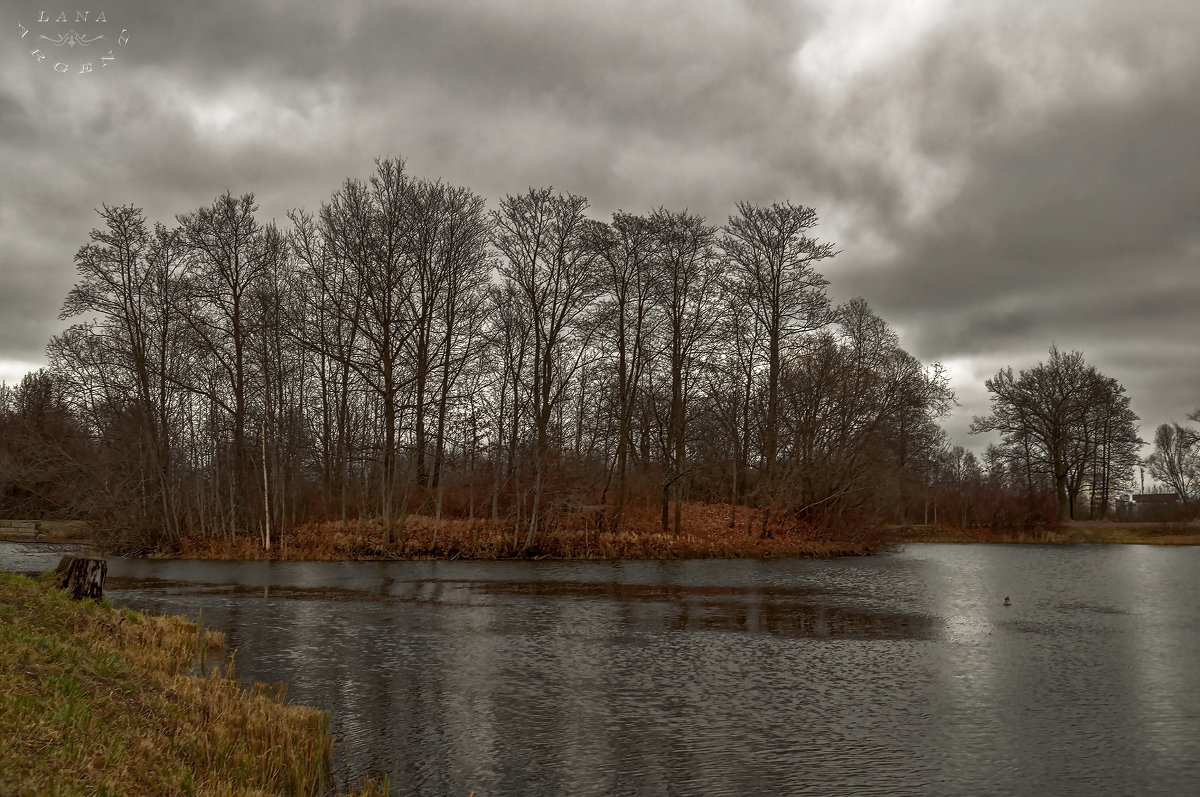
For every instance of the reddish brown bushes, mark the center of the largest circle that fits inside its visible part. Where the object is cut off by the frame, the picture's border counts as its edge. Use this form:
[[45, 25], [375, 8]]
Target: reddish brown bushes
[[581, 535]]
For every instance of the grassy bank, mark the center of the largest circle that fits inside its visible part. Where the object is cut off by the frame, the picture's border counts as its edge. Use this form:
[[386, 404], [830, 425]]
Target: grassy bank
[[1070, 532], [708, 531], [102, 701]]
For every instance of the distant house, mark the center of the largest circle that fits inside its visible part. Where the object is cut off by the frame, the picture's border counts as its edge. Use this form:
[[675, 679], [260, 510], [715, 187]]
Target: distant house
[[1156, 498], [1148, 505]]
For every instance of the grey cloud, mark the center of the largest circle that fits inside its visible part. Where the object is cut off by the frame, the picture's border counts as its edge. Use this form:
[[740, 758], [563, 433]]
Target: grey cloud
[[1002, 178]]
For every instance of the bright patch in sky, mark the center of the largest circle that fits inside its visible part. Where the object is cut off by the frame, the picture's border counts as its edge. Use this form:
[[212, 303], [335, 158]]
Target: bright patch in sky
[[967, 376], [244, 114], [861, 36], [13, 371]]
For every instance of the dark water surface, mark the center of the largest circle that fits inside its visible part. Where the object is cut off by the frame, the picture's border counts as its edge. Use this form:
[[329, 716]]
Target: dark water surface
[[895, 674]]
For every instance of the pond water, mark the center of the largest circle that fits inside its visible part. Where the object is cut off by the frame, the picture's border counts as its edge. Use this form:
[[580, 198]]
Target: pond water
[[896, 674]]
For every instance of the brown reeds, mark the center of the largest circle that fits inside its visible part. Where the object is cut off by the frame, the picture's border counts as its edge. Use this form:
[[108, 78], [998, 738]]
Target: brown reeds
[[706, 533]]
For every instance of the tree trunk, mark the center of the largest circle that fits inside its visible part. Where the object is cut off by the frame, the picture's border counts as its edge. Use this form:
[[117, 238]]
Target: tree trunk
[[81, 578]]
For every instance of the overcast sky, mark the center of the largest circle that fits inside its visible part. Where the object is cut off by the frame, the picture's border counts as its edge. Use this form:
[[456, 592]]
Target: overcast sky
[[999, 176]]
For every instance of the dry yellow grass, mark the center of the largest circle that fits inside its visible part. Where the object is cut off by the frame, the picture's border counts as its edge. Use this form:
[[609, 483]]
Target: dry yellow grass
[[101, 701]]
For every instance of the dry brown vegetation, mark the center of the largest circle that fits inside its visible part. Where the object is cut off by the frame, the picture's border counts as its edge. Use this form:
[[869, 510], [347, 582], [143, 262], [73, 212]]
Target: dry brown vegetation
[[95, 700], [708, 533]]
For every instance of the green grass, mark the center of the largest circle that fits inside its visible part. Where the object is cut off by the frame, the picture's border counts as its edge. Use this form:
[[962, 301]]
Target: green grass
[[95, 700]]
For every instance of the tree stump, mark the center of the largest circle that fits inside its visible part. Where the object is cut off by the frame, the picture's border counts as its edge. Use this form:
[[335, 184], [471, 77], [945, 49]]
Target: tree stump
[[82, 578]]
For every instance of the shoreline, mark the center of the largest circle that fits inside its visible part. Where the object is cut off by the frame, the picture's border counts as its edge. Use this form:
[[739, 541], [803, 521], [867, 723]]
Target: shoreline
[[708, 536], [1073, 532], [108, 700]]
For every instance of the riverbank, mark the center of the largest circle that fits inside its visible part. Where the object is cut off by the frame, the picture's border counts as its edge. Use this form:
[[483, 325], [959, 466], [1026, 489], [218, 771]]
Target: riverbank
[[710, 531], [78, 532], [1068, 533], [99, 700]]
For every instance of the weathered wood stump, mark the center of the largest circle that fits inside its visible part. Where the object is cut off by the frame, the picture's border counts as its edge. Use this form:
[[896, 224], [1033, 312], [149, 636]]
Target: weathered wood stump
[[82, 578]]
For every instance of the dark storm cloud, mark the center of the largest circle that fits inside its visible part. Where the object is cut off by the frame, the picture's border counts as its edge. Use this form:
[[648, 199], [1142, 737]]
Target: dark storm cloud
[[1068, 190], [998, 177], [1077, 204]]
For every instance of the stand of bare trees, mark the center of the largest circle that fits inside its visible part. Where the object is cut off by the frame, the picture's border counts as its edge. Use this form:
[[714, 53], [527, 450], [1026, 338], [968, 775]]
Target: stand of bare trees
[[966, 492], [1175, 462], [1066, 427], [46, 455], [402, 351]]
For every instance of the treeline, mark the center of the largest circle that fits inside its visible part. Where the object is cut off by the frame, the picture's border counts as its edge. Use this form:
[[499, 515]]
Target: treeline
[[403, 350]]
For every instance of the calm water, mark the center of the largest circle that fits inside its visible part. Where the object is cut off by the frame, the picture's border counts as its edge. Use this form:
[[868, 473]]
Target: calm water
[[896, 674]]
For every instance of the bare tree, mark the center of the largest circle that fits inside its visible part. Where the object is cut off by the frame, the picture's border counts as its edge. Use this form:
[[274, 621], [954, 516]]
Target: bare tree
[[127, 281], [328, 330], [451, 234], [540, 235], [282, 365], [1176, 460], [226, 261], [775, 260], [842, 396], [688, 274], [627, 249], [508, 341], [365, 224], [1110, 433], [47, 458], [1047, 418], [731, 390]]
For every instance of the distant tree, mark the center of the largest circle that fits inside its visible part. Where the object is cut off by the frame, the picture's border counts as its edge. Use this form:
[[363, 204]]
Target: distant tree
[[1176, 460], [1112, 427], [959, 479], [1057, 420], [46, 457]]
